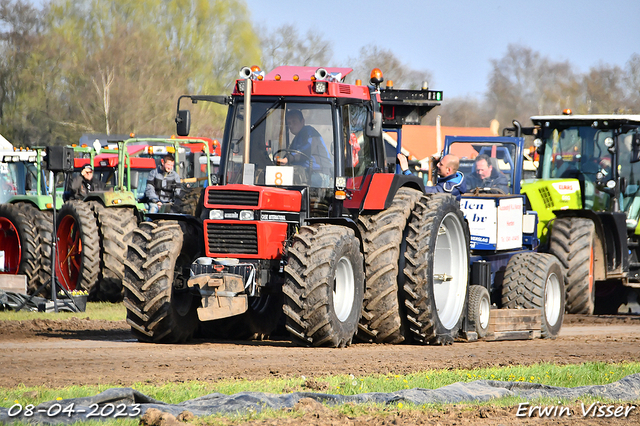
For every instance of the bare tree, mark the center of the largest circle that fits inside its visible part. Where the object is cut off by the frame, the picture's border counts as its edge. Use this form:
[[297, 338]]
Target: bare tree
[[393, 68], [603, 89], [285, 46]]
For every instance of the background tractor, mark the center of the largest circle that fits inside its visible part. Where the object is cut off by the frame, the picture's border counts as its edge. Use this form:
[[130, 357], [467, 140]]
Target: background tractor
[[506, 270], [331, 249], [26, 222], [93, 234], [588, 201]]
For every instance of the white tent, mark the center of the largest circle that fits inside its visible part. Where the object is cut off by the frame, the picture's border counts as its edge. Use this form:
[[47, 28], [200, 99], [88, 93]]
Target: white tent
[[5, 144]]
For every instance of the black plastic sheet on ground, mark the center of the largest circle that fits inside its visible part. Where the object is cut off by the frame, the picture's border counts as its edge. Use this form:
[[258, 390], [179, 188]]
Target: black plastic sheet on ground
[[129, 403]]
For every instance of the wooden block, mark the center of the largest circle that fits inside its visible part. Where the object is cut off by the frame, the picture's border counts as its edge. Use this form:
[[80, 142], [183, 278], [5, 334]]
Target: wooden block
[[514, 324], [13, 283]]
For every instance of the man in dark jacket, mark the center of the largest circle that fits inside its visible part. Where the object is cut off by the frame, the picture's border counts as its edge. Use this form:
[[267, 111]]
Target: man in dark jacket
[[309, 142], [84, 183], [486, 176], [163, 184], [451, 181]]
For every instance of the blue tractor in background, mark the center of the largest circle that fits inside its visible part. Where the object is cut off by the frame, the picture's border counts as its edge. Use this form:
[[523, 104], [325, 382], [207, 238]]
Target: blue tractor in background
[[506, 270]]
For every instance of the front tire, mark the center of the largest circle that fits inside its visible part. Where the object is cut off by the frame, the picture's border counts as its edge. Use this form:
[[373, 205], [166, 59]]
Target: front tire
[[535, 281], [572, 242], [323, 286], [436, 270]]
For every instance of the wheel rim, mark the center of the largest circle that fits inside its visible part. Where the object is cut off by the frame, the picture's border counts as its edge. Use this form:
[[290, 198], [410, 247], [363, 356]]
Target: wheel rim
[[552, 299], [343, 289], [484, 312], [69, 255], [450, 266], [10, 246]]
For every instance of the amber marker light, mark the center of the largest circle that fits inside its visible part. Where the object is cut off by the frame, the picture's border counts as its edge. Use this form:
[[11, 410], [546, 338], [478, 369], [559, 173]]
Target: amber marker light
[[278, 77], [341, 195], [358, 82], [132, 135], [296, 77], [567, 111], [390, 84], [376, 76], [255, 68]]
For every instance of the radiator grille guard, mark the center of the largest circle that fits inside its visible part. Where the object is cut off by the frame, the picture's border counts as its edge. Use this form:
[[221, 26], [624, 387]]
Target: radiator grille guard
[[233, 238]]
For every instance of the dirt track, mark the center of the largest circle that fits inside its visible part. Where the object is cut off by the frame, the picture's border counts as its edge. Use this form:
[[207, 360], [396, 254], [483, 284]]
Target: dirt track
[[82, 351]]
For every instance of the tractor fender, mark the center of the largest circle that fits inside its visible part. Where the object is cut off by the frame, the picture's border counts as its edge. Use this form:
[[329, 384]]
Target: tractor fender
[[610, 244], [340, 221], [383, 187]]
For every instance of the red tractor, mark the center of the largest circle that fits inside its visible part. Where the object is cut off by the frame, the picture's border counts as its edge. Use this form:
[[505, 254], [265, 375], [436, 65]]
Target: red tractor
[[307, 219]]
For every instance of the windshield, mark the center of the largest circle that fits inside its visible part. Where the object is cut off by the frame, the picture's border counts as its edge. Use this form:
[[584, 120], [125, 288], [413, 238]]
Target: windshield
[[579, 152], [290, 144], [486, 165]]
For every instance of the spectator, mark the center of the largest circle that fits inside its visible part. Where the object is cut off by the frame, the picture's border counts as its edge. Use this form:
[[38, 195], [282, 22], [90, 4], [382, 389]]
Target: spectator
[[451, 181]]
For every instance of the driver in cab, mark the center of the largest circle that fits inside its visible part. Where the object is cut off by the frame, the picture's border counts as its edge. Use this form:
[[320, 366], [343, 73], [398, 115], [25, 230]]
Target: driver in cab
[[486, 176], [307, 145]]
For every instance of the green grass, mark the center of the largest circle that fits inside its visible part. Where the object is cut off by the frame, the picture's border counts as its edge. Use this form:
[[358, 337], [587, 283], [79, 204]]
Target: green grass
[[95, 311], [548, 374], [595, 373]]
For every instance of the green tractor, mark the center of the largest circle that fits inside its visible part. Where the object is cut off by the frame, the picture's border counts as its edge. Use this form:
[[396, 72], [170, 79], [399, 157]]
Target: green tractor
[[26, 222], [93, 233], [587, 195]]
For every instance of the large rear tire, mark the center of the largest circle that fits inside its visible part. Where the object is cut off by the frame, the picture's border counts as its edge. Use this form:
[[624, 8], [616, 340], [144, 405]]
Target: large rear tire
[[382, 234], [323, 288], [43, 221], [436, 270], [572, 242], [115, 226], [78, 256], [19, 244], [535, 281], [161, 308]]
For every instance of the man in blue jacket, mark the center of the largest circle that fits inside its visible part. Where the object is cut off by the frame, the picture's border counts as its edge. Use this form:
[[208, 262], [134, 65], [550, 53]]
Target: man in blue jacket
[[451, 181]]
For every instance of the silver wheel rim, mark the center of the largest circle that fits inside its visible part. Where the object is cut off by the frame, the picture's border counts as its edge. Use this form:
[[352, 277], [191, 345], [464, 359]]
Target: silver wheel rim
[[343, 289], [552, 299], [450, 270], [483, 315]]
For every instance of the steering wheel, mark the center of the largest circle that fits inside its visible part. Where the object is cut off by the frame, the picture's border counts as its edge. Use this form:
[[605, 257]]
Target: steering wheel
[[293, 151], [305, 156]]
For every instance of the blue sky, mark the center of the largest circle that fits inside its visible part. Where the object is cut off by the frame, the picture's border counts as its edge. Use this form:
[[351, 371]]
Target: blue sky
[[456, 39]]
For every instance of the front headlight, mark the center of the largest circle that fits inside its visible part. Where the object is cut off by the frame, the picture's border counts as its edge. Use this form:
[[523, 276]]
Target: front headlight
[[246, 215], [216, 215]]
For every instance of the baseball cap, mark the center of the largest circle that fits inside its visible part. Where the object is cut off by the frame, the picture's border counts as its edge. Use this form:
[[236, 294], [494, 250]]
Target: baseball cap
[[87, 166]]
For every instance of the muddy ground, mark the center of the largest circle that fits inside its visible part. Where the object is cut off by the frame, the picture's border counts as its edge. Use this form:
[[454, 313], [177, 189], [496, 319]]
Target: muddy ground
[[84, 352]]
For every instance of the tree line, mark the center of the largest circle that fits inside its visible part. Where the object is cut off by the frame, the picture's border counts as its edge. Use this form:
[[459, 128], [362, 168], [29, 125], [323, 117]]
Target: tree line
[[71, 67]]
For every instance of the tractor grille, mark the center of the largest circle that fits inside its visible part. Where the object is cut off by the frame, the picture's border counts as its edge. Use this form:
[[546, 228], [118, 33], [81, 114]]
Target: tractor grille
[[234, 198], [232, 238], [345, 89], [546, 197]]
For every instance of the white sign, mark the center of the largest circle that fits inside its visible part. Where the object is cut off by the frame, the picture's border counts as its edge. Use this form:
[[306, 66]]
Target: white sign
[[279, 175], [481, 216], [509, 223]]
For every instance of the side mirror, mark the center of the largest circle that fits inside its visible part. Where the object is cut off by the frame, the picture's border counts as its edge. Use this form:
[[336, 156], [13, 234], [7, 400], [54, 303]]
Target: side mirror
[[373, 128], [183, 122], [635, 148]]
